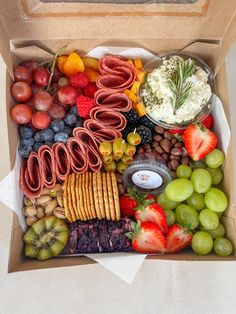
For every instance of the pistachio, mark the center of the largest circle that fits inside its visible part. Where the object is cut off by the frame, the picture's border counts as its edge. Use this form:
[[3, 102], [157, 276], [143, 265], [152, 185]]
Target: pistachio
[[60, 199], [23, 211], [31, 220], [30, 211], [43, 200], [29, 201], [45, 191], [59, 212], [40, 212], [50, 207], [55, 190]]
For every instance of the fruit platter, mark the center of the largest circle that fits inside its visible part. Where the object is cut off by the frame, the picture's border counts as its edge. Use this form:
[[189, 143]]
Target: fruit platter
[[100, 172]]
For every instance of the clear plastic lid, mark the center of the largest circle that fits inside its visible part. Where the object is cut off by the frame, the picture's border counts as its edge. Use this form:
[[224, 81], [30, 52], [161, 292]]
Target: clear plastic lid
[[148, 174]]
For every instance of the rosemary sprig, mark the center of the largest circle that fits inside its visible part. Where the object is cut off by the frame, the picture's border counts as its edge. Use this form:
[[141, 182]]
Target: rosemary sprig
[[180, 88]]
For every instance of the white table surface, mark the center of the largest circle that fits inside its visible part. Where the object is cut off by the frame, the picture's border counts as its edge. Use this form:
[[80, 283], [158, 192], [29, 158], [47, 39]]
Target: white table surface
[[159, 287]]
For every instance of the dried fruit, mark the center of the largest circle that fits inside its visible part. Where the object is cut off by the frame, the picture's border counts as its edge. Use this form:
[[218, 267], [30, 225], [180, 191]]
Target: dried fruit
[[73, 64]]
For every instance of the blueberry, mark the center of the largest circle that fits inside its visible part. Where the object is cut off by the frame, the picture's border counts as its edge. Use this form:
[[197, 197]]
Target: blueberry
[[37, 145], [24, 151], [47, 135], [29, 142], [70, 120], [79, 123], [49, 143], [25, 132], [74, 111], [67, 130], [38, 136], [61, 137], [57, 125]]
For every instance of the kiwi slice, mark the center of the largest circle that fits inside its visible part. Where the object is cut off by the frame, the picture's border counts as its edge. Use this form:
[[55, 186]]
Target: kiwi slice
[[46, 238]]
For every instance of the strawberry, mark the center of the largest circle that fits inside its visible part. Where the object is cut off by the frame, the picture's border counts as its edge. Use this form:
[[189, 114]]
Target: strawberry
[[84, 105], [177, 238], [173, 131], [79, 80], [147, 238], [127, 205], [199, 141], [152, 212], [90, 89], [208, 121], [150, 197]]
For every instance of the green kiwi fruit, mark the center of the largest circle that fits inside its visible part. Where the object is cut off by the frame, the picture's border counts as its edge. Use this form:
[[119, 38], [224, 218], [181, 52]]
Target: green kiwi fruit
[[46, 238]]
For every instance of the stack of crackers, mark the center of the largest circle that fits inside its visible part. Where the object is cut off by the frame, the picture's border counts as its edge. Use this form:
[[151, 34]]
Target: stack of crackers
[[91, 195]]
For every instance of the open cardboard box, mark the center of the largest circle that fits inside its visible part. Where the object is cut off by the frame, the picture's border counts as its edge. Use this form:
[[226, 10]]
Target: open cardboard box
[[206, 28]]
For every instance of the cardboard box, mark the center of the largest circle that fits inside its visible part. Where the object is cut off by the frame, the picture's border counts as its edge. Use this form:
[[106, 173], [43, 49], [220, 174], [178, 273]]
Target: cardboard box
[[206, 28]]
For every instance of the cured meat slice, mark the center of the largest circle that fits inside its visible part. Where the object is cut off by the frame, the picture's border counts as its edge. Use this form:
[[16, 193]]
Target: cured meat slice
[[31, 181], [47, 159], [108, 98], [100, 133], [79, 161], [109, 118], [86, 137], [62, 161], [117, 73]]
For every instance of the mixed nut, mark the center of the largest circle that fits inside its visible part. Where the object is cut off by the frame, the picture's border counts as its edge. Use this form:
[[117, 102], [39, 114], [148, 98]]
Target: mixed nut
[[50, 203]]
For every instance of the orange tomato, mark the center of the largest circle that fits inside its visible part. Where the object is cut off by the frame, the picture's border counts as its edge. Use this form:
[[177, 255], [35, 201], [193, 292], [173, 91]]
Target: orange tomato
[[73, 64], [91, 74]]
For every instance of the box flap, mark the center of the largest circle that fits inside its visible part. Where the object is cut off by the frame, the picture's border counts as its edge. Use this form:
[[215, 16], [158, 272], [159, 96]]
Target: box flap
[[4, 47]]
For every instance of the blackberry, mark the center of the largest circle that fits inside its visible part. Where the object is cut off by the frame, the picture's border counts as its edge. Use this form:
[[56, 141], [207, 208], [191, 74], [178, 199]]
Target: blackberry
[[144, 120], [132, 118], [145, 133], [127, 130]]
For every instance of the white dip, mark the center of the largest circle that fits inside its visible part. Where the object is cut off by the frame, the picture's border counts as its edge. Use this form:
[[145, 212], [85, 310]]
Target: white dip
[[159, 98]]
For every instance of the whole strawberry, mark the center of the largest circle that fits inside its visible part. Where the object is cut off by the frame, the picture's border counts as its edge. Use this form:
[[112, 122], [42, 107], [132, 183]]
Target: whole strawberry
[[79, 80], [128, 205], [208, 121], [84, 105]]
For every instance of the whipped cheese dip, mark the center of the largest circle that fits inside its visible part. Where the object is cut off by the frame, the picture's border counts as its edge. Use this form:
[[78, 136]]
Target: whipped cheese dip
[[158, 95]]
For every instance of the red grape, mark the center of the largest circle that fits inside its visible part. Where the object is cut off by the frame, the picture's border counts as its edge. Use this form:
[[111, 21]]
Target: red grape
[[56, 111], [22, 74], [41, 76], [56, 75], [63, 81], [42, 101], [68, 95], [41, 120], [31, 65], [21, 91], [21, 113], [36, 88]]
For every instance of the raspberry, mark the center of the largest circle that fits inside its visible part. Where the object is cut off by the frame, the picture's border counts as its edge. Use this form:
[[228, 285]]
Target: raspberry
[[180, 132], [208, 121], [79, 80], [90, 89], [84, 105]]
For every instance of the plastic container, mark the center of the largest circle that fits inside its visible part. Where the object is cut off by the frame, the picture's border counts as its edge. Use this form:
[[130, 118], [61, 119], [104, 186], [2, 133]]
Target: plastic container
[[148, 174], [206, 109]]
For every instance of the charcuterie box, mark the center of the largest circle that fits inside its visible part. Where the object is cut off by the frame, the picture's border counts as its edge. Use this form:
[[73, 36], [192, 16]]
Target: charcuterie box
[[35, 29]]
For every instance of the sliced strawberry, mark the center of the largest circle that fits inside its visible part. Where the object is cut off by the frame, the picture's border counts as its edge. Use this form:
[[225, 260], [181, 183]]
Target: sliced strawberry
[[152, 212], [177, 238], [199, 141], [127, 205], [208, 121], [173, 131], [147, 238]]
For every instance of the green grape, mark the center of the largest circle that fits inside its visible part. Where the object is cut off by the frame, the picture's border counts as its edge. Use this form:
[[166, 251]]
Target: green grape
[[166, 203], [208, 219], [170, 217], [219, 214], [202, 243], [219, 231], [196, 200], [183, 171], [179, 190], [215, 158], [216, 175], [201, 180], [187, 216], [216, 200], [198, 164], [223, 247]]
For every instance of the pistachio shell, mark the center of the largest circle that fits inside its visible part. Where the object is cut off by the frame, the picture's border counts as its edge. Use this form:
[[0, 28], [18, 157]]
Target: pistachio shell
[[59, 212], [45, 191], [23, 211], [29, 201], [50, 207], [60, 199], [55, 190], [31, 220], [40, 212], [30, 211], [43, 200]]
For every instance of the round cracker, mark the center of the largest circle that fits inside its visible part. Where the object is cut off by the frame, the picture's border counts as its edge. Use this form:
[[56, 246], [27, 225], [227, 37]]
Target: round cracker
[[115, 195], [100, 194], [77, 197], [87, 194], [90, 176], [73, 196], [65, 201], [84, 197], [105, 196], [110, 197], [95, 194], [81, 199], [70, 199]]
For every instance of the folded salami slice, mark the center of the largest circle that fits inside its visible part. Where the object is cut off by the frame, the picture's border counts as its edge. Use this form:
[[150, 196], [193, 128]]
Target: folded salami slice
[[100, 133], [108, 98], [79, 161], [109, 118], [47, 158], [62, 161], [117, 73], [31, 181]]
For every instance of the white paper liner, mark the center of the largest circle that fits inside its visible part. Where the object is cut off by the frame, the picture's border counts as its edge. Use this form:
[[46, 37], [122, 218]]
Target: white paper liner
[[123, 265]]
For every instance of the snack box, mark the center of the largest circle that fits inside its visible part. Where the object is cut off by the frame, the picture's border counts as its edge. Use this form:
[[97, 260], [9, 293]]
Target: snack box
[[204, 28]]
